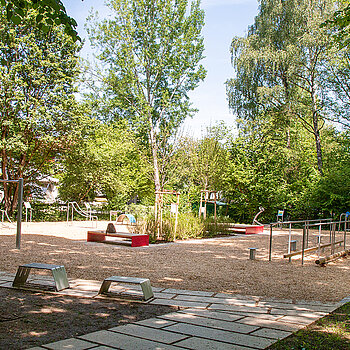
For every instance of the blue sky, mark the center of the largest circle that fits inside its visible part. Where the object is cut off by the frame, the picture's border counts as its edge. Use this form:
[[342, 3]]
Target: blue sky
[[224, 19]]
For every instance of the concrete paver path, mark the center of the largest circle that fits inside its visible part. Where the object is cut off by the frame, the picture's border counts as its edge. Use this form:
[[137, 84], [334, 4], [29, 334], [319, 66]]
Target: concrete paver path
[[205, 320]]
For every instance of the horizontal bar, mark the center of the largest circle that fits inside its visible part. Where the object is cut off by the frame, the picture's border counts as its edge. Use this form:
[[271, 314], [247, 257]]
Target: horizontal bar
[[311, 249]]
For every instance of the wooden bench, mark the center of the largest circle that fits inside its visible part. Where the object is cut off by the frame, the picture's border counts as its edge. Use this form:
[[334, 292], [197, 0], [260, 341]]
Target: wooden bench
[[136, 240], [143, 282], [58, 272]]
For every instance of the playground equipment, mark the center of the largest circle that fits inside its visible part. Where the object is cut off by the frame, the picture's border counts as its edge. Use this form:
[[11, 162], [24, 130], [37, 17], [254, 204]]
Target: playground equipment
[[255, 221], [158, 209], [207, 196], [19, 209], [74, 207], [337, 238]]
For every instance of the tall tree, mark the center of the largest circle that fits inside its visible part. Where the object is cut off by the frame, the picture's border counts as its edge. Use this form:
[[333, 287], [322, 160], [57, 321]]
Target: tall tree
[[38, 110], [280, 66], [49, 14], [151, 50]]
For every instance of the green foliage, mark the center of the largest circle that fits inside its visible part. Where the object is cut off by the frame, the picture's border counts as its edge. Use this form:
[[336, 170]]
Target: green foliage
[[49, 14], [340, 22], [48, 212], [188, 226], [104, 161], [38, 110], [151, 52], [281, 67]]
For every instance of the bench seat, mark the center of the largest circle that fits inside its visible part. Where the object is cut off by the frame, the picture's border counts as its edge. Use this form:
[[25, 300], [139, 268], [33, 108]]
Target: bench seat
[[58, 272], [143, 282]]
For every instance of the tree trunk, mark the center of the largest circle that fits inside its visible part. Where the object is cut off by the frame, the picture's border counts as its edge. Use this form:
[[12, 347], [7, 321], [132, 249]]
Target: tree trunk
[[318, 143], [154, 147]]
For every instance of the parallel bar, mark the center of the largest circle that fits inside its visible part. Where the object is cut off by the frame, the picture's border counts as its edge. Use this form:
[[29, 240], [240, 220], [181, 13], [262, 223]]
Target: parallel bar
[[307, 250]]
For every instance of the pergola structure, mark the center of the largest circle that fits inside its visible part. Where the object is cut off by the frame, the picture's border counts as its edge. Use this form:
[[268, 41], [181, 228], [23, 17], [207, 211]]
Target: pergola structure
[[158, 209], [19, 209]]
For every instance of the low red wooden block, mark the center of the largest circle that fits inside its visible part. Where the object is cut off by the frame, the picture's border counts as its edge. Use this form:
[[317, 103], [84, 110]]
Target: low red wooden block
[[254, 229], [139, 240], [96, 236]]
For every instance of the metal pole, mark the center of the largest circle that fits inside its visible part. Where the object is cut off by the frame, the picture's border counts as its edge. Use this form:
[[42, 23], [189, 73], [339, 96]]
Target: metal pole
[[19, 213], [270, 246], [319, 241], [303, 247], [307, 234], [345, 224]]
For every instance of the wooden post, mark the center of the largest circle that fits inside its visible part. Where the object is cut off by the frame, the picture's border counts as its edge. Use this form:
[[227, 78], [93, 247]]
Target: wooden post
[[216, 223], [177, 213]]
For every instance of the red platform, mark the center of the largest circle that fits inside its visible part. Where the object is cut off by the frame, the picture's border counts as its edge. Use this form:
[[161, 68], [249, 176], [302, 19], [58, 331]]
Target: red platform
[[247, 229], [136, 239]]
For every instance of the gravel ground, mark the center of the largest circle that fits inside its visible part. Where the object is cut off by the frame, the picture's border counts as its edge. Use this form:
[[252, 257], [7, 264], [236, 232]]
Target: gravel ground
[[218, 265]]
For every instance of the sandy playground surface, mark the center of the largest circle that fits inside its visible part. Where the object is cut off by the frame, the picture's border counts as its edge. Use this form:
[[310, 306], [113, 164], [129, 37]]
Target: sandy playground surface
[[218, 265]]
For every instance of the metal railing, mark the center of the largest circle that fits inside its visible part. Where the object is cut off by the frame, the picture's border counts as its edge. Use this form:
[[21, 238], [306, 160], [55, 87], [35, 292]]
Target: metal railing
[[306, 225]]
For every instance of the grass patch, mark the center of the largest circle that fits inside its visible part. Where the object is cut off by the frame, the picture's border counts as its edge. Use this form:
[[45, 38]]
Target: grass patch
[[330, 332]]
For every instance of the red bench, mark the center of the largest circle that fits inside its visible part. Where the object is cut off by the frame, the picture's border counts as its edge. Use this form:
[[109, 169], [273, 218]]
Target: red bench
[[136, 240]]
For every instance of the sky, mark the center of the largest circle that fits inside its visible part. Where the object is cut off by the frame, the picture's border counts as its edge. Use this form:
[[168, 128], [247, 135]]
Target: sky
[[224, 19]]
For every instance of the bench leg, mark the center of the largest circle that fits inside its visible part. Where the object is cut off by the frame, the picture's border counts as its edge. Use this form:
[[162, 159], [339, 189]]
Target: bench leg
[[21, 276], [147, 289], [60, 278], [105, 286]]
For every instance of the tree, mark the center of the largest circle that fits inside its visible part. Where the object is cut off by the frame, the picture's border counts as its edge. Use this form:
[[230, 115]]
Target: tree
[[280, 66], [49, 14], [340, 22], [39, 116], [151, 51], [104, 160]]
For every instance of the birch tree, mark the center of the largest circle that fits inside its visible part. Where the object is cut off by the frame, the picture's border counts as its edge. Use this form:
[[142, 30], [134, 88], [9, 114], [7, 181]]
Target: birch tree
[[151, 51], [280, 66]]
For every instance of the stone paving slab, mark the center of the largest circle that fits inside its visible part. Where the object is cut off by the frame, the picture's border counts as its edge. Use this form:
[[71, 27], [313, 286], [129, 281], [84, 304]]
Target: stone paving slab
[[188, 292], [124, 341], [224, 316], [155, 323], [209, 322], [71, 343], [232, 308], [239, 297], [179, 303], [158, 335], [271, 333], [299, 319], [216, 300], [304, 313], [208, 344], [278, 325], [220, 335], [300, 306]]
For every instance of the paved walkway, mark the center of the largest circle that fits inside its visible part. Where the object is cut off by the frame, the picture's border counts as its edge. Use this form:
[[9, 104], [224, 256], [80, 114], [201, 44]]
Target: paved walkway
[[204, 320]]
